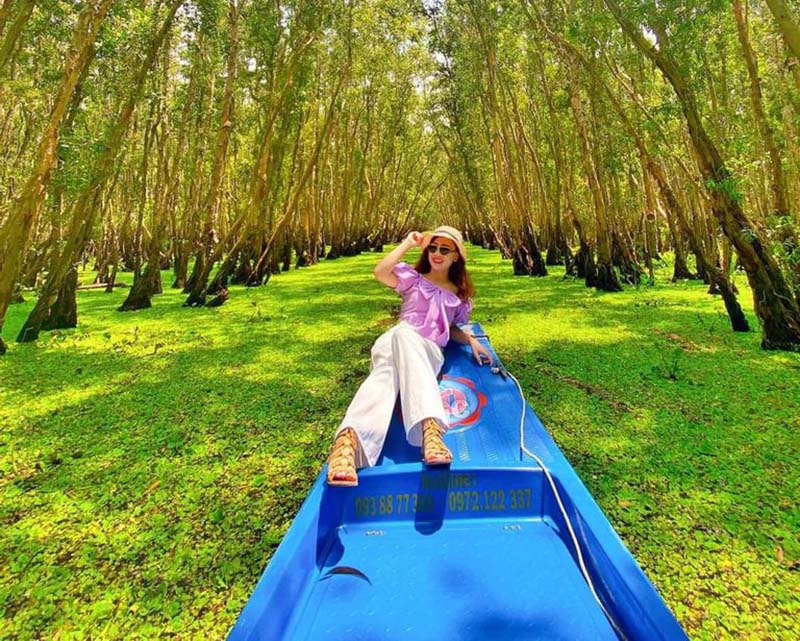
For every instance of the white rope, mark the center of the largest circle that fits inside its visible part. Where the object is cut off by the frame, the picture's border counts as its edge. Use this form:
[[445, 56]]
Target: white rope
[[561, 507]]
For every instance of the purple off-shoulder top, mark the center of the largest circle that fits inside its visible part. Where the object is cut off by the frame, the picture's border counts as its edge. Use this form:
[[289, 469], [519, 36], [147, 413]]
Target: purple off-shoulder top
[[429, 308]]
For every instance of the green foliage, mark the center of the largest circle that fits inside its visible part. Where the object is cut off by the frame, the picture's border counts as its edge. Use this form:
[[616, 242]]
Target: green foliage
[[729, 186], [151, 462]]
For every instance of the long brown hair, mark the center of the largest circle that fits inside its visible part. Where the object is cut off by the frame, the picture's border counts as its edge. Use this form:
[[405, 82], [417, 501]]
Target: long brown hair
[[457, 274]]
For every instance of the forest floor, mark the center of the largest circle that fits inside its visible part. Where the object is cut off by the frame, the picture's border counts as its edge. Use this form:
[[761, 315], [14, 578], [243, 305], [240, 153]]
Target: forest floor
[[150, 462]]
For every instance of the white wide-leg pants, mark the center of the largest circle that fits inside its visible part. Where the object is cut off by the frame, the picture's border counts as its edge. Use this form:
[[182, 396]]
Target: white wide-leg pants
[[402, 361]]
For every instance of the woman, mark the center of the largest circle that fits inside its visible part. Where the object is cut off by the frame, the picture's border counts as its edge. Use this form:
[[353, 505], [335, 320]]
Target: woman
[[437, 297]]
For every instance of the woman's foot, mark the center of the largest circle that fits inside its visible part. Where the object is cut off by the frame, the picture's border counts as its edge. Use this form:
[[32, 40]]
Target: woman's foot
[[342, 459], [434, 451]]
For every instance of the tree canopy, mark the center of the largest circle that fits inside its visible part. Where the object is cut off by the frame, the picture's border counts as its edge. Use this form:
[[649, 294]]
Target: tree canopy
[[228, 140]]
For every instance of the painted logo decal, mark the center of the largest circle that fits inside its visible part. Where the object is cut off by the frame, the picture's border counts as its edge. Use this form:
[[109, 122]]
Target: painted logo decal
[[461, 400]]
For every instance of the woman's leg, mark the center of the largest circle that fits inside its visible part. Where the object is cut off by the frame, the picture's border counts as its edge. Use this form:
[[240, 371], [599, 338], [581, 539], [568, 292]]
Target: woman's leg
[[418, 363], [370, 411]]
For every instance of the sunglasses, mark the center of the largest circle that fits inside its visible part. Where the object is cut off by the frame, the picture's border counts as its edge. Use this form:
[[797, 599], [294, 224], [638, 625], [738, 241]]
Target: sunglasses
[[442, 249]]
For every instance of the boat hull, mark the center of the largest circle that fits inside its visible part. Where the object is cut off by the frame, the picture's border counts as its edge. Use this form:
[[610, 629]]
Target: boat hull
[[476, 550]]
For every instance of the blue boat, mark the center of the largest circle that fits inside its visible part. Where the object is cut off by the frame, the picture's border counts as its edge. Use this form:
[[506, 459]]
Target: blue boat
[[506, 543]]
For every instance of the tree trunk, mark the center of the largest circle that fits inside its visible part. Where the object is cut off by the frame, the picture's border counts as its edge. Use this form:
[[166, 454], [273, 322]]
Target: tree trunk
[[180, 268], [210, 208], [787, 25], [144, 286], [775, 303], [26, 209], [85, 209], [653, 167], [287, 253], [649, 219], [606, 278], [5, 12], [681, 269], [780, 203], [197, 296], [112, 278], [718, 278], [623, 256], [64, 312], [141, 291], [780, 198], [258, 190], [585, 266], [24, 11], [147, 282], [526, 257], [291, 206]]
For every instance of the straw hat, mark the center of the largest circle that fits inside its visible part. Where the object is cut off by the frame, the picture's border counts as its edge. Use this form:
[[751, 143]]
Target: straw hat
[[446, 232]]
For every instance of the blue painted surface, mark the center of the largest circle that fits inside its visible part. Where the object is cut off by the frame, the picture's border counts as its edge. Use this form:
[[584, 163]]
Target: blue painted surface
[[476, 551]]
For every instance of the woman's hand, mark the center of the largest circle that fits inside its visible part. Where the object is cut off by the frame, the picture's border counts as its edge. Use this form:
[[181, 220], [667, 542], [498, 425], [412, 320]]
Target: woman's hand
[[479, 349], [414, 239], [384, 270]]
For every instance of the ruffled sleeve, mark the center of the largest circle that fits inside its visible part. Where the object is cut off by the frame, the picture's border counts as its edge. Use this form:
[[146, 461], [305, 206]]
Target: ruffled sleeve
[[463, 312], [407, 277]]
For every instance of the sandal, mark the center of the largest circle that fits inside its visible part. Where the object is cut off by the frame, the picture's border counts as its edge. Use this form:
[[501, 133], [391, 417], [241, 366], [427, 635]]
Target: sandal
[[434, 451], [342, 459]]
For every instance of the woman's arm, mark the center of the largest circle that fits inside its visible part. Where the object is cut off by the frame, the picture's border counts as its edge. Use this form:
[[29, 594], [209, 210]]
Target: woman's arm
[[460, 336], [383, 270]]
